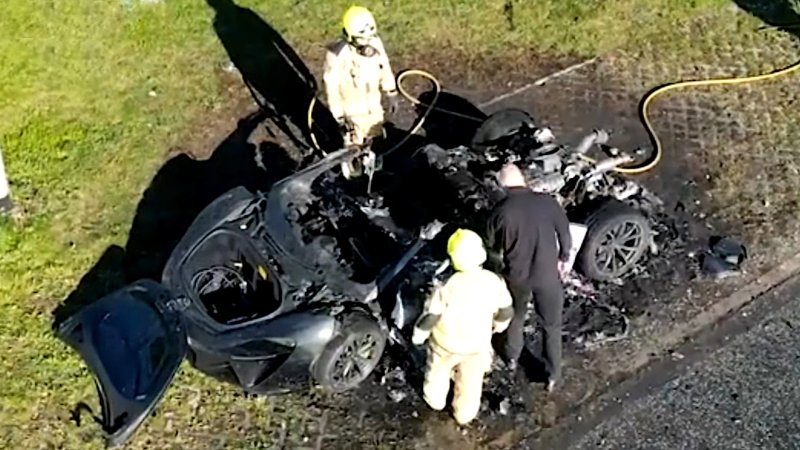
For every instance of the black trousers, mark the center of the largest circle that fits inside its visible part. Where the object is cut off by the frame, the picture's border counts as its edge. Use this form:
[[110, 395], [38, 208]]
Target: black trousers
[[549, 305]]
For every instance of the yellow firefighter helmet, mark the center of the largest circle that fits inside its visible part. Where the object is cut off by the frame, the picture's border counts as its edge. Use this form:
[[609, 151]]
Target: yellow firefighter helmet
[[465, 249], [358, 23]]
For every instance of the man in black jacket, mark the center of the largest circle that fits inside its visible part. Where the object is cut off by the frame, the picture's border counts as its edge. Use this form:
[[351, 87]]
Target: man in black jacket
[[531, 232]]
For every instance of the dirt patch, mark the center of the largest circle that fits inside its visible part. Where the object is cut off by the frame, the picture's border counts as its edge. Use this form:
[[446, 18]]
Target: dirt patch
[[480, 77], [211, 124]]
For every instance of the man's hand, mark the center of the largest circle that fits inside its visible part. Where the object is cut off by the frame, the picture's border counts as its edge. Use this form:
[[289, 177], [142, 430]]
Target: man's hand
[[601, 137], [345, 126], [499, 327], [562, 268], [430, 230]]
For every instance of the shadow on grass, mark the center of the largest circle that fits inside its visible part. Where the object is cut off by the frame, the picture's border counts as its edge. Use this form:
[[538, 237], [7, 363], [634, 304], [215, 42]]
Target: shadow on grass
[[277, 78], [176, 195], [774, 13], [282, 86]]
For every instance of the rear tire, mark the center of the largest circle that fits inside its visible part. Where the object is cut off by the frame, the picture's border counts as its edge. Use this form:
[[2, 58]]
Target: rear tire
[[617, 238], [350, 357]]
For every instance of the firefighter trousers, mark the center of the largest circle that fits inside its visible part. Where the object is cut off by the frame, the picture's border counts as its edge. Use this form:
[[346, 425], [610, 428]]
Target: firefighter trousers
[[467, 371]]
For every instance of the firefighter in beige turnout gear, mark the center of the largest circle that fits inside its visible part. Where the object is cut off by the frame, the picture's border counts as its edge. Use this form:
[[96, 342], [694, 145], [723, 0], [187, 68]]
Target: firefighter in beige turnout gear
[[460, 317], [356, 73]]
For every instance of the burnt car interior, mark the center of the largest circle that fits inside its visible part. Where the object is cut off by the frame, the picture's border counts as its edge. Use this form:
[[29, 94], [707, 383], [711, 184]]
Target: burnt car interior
[[225, 274], [361, 230], [357, 229]]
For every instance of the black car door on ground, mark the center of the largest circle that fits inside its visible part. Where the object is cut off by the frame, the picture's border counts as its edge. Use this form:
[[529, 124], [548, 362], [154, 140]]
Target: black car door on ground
[[133, 341]]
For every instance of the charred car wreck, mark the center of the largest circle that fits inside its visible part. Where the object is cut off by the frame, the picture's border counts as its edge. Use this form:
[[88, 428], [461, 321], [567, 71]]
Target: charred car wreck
[[263, 291], [309, 280], [616, 212]]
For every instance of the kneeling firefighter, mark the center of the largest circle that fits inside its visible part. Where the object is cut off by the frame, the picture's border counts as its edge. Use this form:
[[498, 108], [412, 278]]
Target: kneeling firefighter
[[356, 72], [460, 317]]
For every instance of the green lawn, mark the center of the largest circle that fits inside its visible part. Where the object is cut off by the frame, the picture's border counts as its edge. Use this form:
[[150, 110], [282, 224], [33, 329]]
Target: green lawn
[[93, 94]]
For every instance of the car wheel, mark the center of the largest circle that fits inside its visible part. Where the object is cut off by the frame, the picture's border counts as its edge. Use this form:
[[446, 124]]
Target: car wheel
[[616, 239], [350, 357]]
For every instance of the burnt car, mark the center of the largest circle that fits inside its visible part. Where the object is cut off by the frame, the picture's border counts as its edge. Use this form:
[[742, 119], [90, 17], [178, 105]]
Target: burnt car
[[265, 290], [310, 280], [613, 213]]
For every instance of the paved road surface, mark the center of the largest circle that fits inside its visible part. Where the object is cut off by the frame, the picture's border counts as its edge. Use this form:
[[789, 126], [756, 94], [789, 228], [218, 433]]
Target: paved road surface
[[744, 395]]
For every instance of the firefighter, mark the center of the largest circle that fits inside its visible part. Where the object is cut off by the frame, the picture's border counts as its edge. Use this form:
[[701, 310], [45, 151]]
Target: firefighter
[[460, 317], [356, 73]]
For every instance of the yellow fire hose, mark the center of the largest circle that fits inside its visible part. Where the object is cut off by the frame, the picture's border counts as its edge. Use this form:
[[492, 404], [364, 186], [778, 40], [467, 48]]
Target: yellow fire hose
[[655, 158], [437, 89], [643, 167]]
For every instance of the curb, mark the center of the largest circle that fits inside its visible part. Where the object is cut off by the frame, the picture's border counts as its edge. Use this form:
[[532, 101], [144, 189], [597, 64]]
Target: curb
[[650, 355], [711, 315], [575, 425]]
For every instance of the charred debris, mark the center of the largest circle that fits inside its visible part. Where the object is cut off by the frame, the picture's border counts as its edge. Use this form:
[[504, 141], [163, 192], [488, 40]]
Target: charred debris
[[458, 186]]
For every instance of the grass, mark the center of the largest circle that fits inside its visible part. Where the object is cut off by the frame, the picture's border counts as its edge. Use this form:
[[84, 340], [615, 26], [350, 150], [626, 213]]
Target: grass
[[94, 94], [746, 142]]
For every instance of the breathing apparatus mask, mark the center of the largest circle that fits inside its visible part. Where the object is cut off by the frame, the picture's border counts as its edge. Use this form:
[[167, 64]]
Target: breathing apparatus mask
[[362, 44]]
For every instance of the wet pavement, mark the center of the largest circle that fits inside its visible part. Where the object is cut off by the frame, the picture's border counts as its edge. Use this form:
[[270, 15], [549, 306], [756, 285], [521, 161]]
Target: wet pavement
[[743, 395]]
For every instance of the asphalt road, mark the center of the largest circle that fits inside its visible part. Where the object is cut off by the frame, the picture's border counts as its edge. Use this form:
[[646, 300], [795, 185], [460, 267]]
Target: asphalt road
[[742, 394]]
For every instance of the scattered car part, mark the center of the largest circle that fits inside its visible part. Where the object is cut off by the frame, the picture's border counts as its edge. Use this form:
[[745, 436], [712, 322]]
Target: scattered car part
[[499, 126], [578, 235], [133, 342], [724, 258]]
